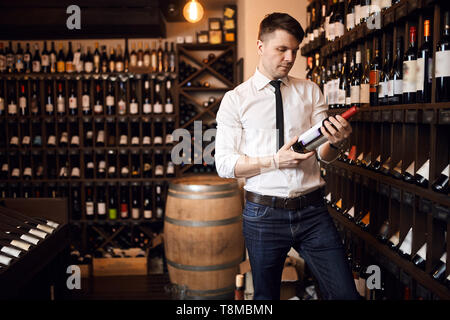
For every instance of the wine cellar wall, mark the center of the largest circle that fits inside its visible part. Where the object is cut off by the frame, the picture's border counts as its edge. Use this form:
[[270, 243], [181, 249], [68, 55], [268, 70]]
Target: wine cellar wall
[[388, 191], [96, 128]]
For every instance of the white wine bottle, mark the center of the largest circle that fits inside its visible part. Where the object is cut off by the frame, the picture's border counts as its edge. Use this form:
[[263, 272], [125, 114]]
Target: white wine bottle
[[313, 138]]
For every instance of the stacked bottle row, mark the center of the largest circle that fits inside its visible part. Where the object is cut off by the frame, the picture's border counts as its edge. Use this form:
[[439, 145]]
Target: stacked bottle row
[[328, 20], [111, 96], [99, 200], [394, 284], [20, 235], [87, 132], [222, 65], [398, 72], [373, 146], [90, 164], [396, 218], [156, 59]]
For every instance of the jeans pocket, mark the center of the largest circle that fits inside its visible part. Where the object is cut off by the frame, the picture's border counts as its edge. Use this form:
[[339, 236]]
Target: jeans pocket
[[254, 211]]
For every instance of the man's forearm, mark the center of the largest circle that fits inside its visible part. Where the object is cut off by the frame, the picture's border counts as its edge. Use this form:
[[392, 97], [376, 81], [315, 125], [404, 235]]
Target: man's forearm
[[327, 153], [247, 167]]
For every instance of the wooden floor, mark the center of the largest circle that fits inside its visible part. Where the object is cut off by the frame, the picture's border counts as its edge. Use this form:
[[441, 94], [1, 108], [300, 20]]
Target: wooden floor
[[150, 287]]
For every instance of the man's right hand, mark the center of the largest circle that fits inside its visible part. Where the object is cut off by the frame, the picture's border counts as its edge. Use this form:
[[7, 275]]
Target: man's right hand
[[287, 158]]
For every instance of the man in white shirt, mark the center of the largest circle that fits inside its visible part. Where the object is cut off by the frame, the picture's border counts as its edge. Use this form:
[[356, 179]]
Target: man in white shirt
[[284, 190]]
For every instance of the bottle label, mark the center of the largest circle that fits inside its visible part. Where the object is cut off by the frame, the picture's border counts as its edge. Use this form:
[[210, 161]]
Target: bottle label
[[22, 102], [147, 214], [11, 251], [5, 167], [423, 252], [123, 139], [341, 97], [170, 168], [158, 140], [29, 239], [381, 89], [64, 137], [159, 170], [122, 107], [88, 66], [98, 108], [135, 140], [147, 108], [169, 107], [36, 66], [354, 94], [72, 103], [12, 108], [374, 80], [5, 260], [133, 108], [60, 105], [146, 140], [89, 208], [85, 102], [75, 140], [113, 213], [38, 233], [75, 172], [157, 108], [338, 29], [390, 88], [409, 76], [14, 140], [420, 76], [2, 63], [424, 170], [169, 138], [124, 210], [27, 172], [60, 66], [109, 100], [89, 134], [398, 87], [407, 243], [26, 140], [350, 21], [51, 140], [357, 14], [364, 93], [15, 172], [101, 208], [20, 244], [135, 213], [45, 60], [133, 60], [101, 136], [442, 64]]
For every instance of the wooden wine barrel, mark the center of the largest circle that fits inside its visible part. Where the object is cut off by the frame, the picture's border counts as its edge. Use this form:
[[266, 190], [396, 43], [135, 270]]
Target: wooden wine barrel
[[203, 238]]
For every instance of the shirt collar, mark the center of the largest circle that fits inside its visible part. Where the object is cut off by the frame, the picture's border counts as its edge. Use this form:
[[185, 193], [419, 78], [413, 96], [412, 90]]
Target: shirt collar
[[261, 80]]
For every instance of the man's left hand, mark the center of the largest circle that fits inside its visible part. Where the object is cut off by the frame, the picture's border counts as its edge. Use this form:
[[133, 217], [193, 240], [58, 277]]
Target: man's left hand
[[336, 129]]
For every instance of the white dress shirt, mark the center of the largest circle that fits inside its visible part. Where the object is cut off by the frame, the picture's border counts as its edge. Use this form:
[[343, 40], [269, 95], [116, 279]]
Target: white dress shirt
[[246, 125]]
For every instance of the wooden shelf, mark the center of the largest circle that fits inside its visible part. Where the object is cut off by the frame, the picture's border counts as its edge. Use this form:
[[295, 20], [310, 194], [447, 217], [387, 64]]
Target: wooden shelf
[[419, 275], [381, 178]]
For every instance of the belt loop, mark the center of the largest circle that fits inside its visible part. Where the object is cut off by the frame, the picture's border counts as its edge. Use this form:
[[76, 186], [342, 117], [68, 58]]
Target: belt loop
[[274, 201]]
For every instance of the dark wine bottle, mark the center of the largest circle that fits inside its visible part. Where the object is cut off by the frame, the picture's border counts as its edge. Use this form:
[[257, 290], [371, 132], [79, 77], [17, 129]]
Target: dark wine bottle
[[375, 70], [442, 71], [424, 66], [410, 69]]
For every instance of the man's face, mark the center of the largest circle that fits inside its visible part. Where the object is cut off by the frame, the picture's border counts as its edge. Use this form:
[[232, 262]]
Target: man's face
[[277, 52]]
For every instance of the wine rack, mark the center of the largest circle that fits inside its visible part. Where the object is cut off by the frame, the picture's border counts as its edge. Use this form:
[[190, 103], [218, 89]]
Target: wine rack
[[206, 72], [367, 187], [124, 156]]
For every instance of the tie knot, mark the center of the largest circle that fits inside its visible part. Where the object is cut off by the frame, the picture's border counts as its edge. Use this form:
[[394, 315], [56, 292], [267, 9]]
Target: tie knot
[[275, 83]]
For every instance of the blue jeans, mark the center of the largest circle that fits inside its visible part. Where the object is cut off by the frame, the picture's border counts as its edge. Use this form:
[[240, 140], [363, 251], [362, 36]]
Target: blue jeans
[[270, 233]]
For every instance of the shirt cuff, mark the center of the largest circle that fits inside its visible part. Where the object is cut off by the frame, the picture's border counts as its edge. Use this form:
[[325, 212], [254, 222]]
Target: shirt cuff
[[225, 165]]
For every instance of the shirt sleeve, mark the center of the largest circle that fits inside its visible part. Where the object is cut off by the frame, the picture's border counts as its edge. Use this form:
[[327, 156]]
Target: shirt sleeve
[[228, 136], [319, 113]]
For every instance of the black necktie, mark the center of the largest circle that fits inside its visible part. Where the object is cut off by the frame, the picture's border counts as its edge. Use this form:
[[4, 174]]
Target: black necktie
[[279, 112]]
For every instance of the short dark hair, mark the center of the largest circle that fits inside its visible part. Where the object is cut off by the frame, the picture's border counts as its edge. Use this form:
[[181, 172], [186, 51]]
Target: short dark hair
[[283, 21]]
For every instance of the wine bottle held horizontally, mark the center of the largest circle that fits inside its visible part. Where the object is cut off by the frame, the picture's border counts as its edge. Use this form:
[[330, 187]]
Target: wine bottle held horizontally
[[313, 138], [424, 66], [410, 69], [442, 72]]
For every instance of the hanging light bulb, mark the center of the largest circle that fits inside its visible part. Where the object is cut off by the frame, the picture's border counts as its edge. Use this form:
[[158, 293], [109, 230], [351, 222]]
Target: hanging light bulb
[[193, 11]]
